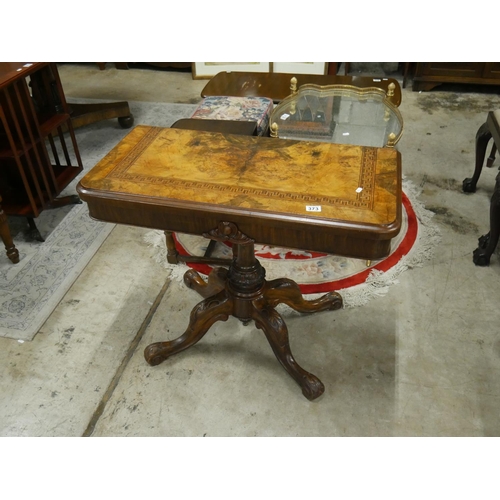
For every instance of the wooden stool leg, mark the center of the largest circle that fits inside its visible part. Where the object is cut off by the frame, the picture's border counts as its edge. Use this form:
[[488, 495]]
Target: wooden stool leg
[[172, 255], [488, 243], [12, 251], [482, 138]]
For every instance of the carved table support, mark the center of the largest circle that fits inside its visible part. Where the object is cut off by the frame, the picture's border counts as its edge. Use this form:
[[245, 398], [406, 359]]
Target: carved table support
[[243, 292]]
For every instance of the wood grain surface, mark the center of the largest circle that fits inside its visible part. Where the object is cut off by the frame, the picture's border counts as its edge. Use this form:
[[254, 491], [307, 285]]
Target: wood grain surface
[[358, 189]]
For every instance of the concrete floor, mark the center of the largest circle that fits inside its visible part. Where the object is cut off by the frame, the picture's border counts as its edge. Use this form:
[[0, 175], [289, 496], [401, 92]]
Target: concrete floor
[[424, 360]]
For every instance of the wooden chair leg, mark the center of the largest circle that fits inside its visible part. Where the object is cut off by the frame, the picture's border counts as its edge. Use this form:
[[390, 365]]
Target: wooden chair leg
[[487, 243], [483, 136], [491, 158], [172, 254], [12, 251]]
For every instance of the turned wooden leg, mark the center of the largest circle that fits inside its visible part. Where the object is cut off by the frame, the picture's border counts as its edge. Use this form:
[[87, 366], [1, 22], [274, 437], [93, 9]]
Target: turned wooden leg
[[270, 321], [483, 136], [12, 251], [487, 244], [491, 158], [216, 281], [203, 316], [172, 255], [286, 291]]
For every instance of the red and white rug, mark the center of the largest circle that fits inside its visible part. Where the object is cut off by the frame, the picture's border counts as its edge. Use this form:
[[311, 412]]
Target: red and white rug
[[317, 273]]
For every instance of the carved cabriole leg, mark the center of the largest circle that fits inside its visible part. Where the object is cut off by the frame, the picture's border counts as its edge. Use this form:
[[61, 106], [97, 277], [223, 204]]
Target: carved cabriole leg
[[286, 291], [243, 292], [488, 243], [483, 136], [216, 281], [12, 251], [491, 158], [203, 316], [272, 324]]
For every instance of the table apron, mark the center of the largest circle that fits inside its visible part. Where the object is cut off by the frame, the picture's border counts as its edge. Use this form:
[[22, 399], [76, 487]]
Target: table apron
[[341, 238]]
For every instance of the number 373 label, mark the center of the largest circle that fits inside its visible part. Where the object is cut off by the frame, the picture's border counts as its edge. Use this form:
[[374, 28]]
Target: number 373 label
[[313, 208]]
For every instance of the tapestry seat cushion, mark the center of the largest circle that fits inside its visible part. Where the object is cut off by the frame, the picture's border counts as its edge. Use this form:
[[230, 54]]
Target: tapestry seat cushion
[[257, 109]]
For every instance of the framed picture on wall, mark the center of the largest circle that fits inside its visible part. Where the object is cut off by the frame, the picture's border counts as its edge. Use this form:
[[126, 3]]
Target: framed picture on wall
[[301, 68], [209, 69]]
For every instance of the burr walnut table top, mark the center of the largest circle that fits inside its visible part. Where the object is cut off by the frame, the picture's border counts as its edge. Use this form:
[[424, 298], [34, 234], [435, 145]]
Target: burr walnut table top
[[339, 199]]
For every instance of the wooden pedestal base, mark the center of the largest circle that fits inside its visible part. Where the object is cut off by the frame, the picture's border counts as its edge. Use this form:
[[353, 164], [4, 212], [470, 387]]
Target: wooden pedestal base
[[243, 292]]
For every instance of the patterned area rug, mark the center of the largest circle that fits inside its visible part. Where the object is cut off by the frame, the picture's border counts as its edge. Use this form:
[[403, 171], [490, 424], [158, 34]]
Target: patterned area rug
[[31, 289], [316, 273]]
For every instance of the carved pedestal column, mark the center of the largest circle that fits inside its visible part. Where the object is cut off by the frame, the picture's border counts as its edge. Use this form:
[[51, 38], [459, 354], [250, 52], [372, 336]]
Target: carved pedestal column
[[243, 292]]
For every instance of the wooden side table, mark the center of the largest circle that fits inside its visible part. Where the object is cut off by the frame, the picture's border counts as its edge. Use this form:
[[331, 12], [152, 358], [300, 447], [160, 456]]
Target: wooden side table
[[330, 198], [276, 86]]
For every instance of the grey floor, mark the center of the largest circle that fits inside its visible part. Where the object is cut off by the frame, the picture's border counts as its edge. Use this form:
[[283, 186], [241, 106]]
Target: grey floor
[[424, 360]]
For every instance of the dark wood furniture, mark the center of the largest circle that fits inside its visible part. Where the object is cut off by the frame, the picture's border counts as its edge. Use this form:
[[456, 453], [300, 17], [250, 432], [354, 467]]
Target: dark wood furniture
[[309, 195], [487, 131], [223, 126], [36, 163], [276, 86], [428, 75], [85, 114], [36, 160], [406, 69], [124, 65]]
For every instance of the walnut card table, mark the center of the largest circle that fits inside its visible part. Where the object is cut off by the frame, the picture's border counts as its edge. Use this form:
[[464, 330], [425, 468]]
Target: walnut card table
[[331, 198]]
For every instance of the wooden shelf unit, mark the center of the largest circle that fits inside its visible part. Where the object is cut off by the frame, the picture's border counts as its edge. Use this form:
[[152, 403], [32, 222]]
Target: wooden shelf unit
[[428, 75], [36, 162]]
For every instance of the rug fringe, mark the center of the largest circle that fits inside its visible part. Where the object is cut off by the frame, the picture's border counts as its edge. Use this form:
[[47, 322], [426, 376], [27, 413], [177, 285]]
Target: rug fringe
[[378, 282]]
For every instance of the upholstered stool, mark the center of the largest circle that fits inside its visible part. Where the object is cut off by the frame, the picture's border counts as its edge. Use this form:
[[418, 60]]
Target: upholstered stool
[[488, 242], [256, 109]]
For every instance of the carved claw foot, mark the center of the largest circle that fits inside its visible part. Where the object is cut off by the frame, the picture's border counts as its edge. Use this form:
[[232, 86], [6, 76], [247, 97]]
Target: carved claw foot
[[480, 257], [468, 185], [482, 254], [286, 291]]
